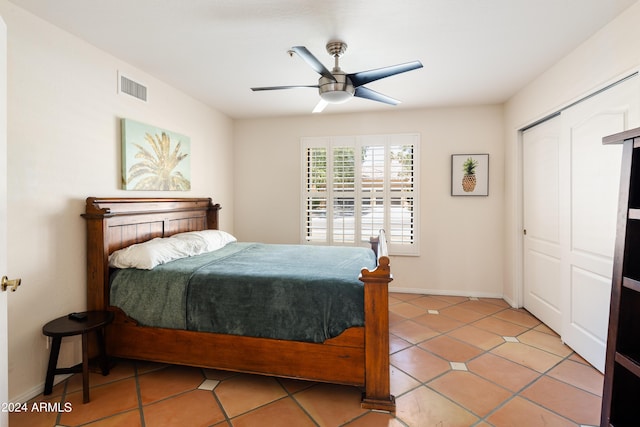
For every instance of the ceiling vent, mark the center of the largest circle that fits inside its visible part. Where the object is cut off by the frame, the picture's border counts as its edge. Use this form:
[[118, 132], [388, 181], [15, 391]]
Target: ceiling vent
[[133, 88]]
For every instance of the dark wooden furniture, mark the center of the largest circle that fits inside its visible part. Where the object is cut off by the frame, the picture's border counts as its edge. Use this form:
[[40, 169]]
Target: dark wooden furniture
[[359, 356], [66, 327], [622, 369]]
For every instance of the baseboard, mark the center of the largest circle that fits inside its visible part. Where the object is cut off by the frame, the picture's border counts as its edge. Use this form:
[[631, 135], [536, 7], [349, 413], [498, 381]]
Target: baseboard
[[511, 302], [36, 390], [454, 293]]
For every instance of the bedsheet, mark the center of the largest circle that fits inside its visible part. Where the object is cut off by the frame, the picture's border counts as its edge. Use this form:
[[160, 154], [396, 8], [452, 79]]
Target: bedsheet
[[292, 292]]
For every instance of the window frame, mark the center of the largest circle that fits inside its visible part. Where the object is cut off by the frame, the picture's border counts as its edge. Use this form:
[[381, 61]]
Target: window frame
[[359, 193]]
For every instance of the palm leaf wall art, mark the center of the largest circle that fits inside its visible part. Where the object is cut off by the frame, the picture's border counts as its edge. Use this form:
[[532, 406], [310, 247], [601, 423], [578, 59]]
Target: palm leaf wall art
[[154, 158]]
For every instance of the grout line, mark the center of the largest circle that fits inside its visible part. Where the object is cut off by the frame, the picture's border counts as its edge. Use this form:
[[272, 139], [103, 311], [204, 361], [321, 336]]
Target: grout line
[[220, 405], [63, 399], [139, 394], [292, 397]]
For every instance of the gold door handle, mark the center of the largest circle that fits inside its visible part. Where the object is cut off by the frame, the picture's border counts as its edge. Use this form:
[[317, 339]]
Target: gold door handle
[[6, 283]]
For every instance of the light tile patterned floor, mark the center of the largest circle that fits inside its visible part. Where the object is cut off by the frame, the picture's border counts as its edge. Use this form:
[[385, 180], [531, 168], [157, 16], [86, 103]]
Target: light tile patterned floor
[[455, 362]]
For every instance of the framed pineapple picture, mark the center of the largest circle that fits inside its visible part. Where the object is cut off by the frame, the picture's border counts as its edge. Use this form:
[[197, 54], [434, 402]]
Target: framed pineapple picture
[[469, 174]]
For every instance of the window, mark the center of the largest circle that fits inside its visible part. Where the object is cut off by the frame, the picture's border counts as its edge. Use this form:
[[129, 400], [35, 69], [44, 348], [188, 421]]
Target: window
[[354, 186]]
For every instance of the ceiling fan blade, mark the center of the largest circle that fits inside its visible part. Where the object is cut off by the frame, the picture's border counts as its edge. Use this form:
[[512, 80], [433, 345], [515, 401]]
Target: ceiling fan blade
[[283, 87], [364, 92], [320, 106], [364, 77], [317, 66]]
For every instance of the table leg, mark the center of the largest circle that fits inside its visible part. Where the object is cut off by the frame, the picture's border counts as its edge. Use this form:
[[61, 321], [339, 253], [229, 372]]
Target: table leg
[[85, 368], [104, 363], [53, 361]]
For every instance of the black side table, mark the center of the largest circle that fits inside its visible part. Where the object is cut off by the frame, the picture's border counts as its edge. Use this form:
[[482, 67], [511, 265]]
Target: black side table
[[66, 327]]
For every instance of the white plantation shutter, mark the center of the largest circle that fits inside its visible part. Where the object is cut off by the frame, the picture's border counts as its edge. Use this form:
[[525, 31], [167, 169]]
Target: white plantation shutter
[[315, 199], [402, 204], [343, 193], [354, 186]]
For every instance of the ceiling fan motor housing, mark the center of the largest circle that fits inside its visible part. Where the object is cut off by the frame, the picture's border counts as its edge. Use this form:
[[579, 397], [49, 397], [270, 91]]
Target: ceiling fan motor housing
[[336, 92]]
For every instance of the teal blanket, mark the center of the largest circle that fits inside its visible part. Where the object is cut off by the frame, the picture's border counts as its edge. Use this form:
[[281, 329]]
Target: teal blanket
[[290, 292]]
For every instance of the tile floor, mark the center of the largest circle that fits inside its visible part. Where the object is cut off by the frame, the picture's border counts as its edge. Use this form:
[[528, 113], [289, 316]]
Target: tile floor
[[455, 362]]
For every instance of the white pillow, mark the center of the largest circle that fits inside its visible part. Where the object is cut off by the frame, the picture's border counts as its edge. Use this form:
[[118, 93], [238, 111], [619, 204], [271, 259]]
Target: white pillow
[[147, 255], [206, 240]]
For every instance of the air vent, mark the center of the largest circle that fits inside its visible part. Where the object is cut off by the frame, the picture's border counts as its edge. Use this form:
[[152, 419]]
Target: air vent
[[133, 88]]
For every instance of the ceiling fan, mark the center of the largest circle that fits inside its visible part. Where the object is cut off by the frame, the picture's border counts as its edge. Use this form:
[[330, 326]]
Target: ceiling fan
[[336, 86]]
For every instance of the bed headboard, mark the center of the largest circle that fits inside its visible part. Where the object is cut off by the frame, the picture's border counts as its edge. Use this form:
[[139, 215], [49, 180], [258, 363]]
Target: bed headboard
[[114, 223]]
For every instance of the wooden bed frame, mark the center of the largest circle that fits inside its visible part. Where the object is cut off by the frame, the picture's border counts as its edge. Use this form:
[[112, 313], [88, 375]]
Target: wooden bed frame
[[358, 357]]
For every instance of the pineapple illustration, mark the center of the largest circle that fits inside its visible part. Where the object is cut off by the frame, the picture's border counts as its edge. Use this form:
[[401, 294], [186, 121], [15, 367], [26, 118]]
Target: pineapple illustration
[[469, 178]]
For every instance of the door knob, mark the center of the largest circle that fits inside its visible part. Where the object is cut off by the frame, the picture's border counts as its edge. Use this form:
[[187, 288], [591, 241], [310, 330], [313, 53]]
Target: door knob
[[6, 283]]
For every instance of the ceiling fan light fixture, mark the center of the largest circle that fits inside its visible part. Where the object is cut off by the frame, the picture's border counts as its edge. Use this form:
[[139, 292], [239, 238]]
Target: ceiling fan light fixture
[[336, 96], [336, 92]]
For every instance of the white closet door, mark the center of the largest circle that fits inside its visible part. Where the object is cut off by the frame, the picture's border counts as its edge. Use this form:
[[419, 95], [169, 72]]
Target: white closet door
[[589, 197], [570, 197], [542, 296]]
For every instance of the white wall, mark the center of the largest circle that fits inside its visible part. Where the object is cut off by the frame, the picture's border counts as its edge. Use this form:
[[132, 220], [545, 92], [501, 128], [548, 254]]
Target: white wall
[[461, 238], [63, 146], [611, 53]]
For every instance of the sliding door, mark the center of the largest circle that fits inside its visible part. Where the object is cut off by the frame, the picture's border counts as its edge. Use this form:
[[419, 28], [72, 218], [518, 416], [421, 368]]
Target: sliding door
[[542, 247], [570, 198]]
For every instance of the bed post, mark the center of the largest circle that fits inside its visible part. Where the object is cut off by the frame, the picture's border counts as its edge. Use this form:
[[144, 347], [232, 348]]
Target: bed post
[[212, 215], [377, 394], [97, 255]]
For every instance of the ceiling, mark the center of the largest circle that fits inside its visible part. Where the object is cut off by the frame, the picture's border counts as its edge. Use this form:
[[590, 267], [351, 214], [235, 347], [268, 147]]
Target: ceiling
[[473, 51]]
